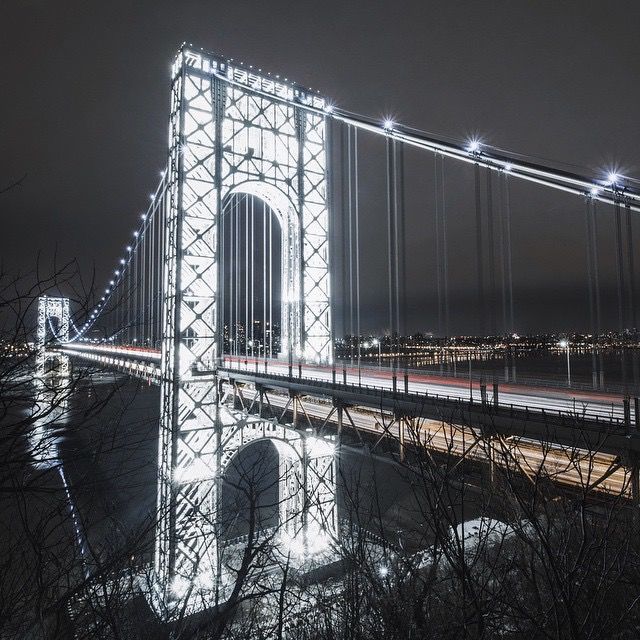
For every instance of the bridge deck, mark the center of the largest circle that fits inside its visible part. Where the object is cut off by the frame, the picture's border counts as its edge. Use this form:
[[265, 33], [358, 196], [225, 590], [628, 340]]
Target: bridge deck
[[591, 421]]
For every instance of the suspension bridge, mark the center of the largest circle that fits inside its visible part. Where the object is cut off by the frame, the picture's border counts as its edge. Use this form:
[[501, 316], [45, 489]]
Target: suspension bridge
[[225, 296]]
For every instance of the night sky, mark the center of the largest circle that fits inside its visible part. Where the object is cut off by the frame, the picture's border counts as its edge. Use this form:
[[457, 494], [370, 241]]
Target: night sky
[[85, 97]]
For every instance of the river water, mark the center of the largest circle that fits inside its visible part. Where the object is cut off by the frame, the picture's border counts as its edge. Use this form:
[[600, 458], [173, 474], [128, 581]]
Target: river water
[[90, 465]]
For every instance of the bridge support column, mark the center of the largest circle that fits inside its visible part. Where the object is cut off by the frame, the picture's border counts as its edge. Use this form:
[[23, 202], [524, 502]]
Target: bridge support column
[[491, 455], [340, 412], [635, 486], [295, 409], [404, 422], [626, 406], [634, 471], [260, 391]]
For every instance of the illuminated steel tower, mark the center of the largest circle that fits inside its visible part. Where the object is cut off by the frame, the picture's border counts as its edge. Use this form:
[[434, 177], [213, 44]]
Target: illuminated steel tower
[[50, 309], [232, 131]]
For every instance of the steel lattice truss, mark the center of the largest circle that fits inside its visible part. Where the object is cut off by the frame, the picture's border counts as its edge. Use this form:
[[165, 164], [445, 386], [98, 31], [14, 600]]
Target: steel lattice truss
[[233, 131], [51, 308]]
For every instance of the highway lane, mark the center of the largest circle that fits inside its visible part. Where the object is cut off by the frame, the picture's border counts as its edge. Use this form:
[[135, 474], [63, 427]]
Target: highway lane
[[571, 467]]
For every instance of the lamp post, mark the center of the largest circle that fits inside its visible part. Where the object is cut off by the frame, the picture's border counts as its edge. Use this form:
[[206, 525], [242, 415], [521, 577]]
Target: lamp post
[[376, 342], [564, 344]]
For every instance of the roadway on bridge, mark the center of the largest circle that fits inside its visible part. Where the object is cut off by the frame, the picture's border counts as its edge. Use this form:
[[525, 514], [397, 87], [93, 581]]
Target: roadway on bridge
[[558, 462], [579, 469], [606, 406]]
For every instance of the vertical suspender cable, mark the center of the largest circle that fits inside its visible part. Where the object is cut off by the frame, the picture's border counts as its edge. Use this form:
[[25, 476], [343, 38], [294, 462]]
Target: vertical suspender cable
[[236, 276], [507, 230], [271, 289], [479, 253], [253, 269], [596, 288], [631, 293], [401, 254], [436, 183], [631, 280], [491, 256], [136, 280], [264, 282], [154, 274], [619, 266], [344, 158], [445, 250], [143, 328], [246, 277], [128, 320], [357, 246], [152, 280], [591, 275], [231, 277], [503, 253], [391, 226], [222, 266], [349, 240], [230, 280], [621, 287]]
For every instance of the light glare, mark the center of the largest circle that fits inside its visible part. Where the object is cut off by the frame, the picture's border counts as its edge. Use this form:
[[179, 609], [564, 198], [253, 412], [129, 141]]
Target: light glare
[[474, 146]]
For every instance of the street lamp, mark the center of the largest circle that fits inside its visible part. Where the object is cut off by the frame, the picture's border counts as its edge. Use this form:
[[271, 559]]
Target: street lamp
[[376, 342], [564, 344]]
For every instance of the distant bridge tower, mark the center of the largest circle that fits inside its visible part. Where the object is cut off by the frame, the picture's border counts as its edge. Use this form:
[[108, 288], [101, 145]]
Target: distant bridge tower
[[233, 131], [50, 310]]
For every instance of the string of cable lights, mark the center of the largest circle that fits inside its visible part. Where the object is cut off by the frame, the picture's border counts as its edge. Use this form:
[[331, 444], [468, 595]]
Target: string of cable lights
[[124, 265]]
